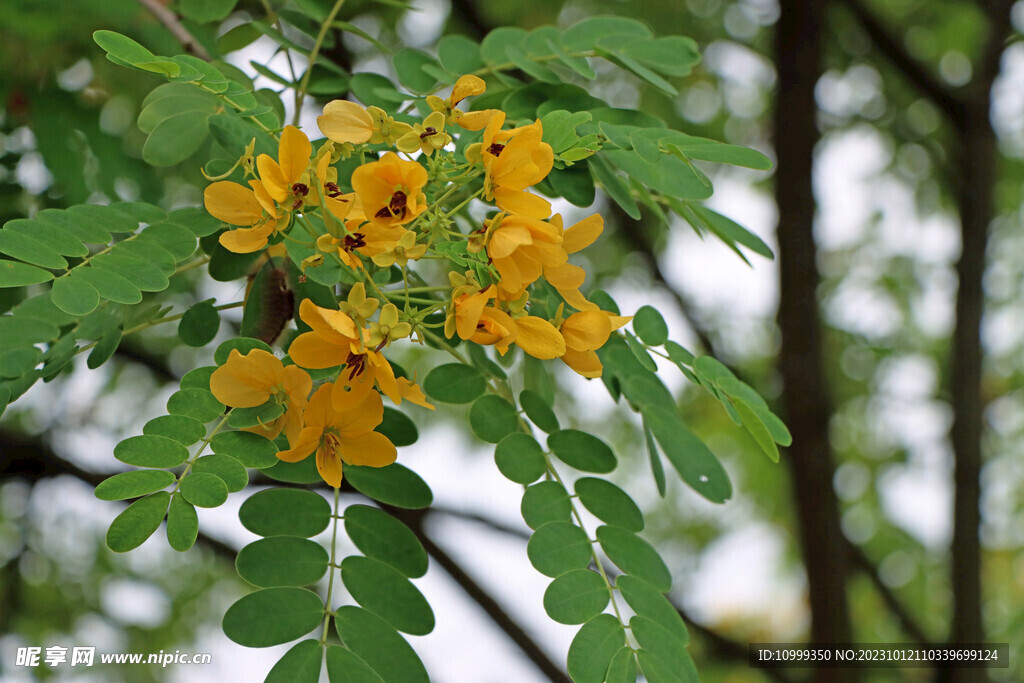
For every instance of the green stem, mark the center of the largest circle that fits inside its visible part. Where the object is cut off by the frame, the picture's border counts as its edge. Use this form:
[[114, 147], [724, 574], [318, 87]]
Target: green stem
[[202, 447], [300, 94], [443, 343], [159, 321], [333, 563]]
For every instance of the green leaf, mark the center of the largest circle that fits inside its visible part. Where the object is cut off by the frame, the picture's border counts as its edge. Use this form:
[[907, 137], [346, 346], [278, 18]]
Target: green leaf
[[398, 427], [671, 55], [393, 484], [140, 273], [558, 547], [609, 503], [605, 174], [282, 561], [123, 50], [177, 240], [639, 352], [198, 378], [593, 648], [752, 423], [690, 456], [635, 556], [646, 601], [459, 54], [184, 430], [285, 512], [387, 593], [657, 469], [678, 354], [669, 175], [536, 378], [539, 411], [133, 484], [227, 469], [200, 323], [712, 150], [137, 522], [302, 663], [109, 285], [179, 99], [380, 536], [577, 64], [272, 616], [454, 383], [237, 38], [612, 51], [151, 451], [545, 501], [204, 490], [343, 666], [492, 418], [176, 138], [663, 659], [574, 183], [623, 667], [650, 326], [494, 46], [74, 295], [378, 645], [16, 274], [520, 458], [241, 418], [374, 89], [530, 67], [583, 35], [195, 403], [18, 330], [576, 597], [233, 134], [182, 524], [80, 226], [252, 450], [583, 451], [242, 344], [58, 238], [19, 361], [409, 65], [730, 231]]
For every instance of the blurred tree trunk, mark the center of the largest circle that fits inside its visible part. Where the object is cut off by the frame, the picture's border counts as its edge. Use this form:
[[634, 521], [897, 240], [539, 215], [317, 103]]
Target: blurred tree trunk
[[798, 45]]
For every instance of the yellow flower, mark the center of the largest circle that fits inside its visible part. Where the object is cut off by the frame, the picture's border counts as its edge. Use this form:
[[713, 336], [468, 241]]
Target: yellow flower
[[287, 180], [566, 277], [238, 205], [335, 340], [367, 239], [344, 121], [521, 248], [399, 252], [513, 161], [584, 333], [341, 436], [390, 191], [257, 377], [473, 320], [466, 86], [425, 137], [348, 122]]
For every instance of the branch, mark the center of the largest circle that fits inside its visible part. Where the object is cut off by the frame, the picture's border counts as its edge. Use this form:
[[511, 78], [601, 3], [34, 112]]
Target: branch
[[170, 20], [940, 94], [484, 599], [861, 561]]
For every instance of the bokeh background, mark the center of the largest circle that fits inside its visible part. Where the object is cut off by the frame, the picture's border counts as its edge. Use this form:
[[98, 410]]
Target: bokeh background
[[888, 332]]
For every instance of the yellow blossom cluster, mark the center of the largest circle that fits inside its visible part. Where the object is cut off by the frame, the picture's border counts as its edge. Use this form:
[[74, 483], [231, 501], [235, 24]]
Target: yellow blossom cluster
[[394, 215]]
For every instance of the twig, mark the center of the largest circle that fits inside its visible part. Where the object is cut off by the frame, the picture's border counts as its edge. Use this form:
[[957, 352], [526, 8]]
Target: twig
[[944, 97], [173, 24]]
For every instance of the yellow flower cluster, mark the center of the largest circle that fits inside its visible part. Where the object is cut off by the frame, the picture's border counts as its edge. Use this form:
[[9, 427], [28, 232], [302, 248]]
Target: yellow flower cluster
[[393, 215]]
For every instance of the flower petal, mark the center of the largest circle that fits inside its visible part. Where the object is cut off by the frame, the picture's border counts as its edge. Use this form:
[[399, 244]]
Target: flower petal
[[583, 233], [293, 153], [232, 203], [328, 464], [310, 350], [539, 338], [344, 121], [246, 240], [371, 449]]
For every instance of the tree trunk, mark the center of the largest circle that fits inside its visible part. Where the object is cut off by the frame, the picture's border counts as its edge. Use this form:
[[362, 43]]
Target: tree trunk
[[798, 42]]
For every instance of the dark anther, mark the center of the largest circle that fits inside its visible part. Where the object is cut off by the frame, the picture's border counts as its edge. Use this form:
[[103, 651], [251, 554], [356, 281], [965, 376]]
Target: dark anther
[[297, 205], [354, 241], [355, 364], [496, 148], [383, 213], [300, 189], [427, 132], [397, 205], [332, 190]]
